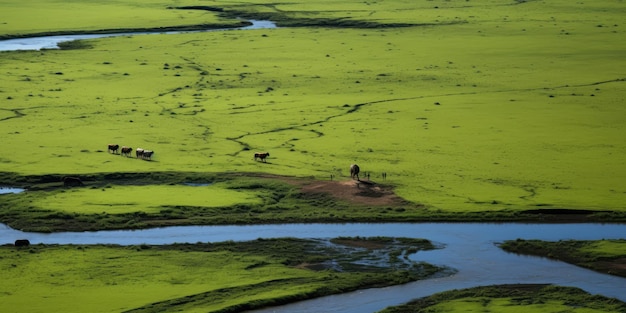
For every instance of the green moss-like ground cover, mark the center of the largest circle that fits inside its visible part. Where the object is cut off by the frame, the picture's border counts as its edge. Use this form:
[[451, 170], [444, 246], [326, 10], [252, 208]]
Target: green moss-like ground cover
[[512, 298], [501, 105], [607, 256], [497, 106], [22, 19], [141, 200], [146, 199], [207, 277]]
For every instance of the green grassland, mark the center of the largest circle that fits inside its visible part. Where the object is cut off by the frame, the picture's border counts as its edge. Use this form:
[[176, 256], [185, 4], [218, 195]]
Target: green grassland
[[512, 298], [23, 19], [140, 200], [118, 199], [219, 277], [607, 256], [497, 106]]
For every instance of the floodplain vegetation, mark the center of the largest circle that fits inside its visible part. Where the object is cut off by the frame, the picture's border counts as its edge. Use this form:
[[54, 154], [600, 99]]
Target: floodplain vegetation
[[512, 298], [487, 109], [157, 199], [606, 256], [201, 277], [492, 110]]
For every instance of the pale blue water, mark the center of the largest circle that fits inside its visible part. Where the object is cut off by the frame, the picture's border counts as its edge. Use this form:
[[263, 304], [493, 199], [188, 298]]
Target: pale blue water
[[5, 190], [469, 248], [51, 42]]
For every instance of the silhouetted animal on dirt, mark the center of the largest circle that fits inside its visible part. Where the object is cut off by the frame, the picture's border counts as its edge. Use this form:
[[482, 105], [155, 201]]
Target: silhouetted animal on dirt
[[261, 155], [354, 171], [126, 151], [113, 148], [22, 243], [72, 182]]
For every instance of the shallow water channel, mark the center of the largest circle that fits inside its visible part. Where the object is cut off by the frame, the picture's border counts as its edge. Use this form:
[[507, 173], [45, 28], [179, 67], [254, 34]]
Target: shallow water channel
[[51, 42], [469, 248], [6, 190]]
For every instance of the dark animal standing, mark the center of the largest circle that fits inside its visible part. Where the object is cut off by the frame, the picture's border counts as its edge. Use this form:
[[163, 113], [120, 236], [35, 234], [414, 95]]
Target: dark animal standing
[[72, 182], [113, 148], [126, 151], [147, 154], [261, 155], [139, 153], [354, 171], [22, 243]]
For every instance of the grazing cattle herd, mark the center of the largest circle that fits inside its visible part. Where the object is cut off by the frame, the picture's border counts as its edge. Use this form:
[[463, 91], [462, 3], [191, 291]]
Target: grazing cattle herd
[[126, 151], [144, 154]]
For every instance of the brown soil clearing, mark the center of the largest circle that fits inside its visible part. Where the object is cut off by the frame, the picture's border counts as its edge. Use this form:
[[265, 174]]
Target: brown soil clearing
[[353, 191]]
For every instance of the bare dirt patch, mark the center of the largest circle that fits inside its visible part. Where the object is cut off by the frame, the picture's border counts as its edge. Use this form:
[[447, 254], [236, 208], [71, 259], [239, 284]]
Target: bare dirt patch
[[614, 267], [357, 192]]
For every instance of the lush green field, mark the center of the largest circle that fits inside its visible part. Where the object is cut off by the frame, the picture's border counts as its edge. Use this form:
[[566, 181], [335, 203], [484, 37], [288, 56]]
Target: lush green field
[[220, 277], [152, 198], [607, 256], [50, 16], [512, 298], [498, 105], [527, 114]]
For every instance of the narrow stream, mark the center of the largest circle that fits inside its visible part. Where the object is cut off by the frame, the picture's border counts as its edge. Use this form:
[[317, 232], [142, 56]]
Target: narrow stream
[[52, 42], [470, 248], [6, 190]]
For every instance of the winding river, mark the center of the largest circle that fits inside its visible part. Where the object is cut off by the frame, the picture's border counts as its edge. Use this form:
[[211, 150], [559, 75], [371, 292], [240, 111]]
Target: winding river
[[469, 248]]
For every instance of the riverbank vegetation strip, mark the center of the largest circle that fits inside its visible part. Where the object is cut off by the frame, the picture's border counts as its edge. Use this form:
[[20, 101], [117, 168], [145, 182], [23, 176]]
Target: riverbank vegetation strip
[[207, 277], [512, 298], [159, 199], [606, 256]]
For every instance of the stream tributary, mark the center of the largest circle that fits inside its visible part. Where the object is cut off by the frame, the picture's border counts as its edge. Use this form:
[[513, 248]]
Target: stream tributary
[[469, 248], [52, 42]]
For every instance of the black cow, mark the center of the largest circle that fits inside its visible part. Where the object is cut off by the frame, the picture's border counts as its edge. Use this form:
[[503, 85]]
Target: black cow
[[147, 154], [139, 153], [126, 151], [72, 182], [22, 243], [261, 155], [113, 148], [354, 171]]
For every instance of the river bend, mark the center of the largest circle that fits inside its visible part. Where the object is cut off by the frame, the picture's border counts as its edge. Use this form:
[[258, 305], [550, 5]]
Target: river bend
[[469, 248]]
